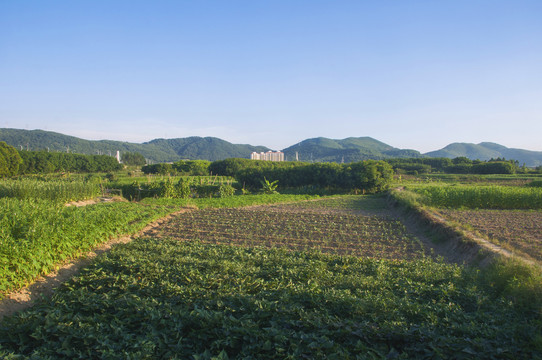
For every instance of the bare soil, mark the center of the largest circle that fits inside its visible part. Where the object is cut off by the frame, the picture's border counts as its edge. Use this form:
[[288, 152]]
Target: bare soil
[[95, 201], [506, 231]]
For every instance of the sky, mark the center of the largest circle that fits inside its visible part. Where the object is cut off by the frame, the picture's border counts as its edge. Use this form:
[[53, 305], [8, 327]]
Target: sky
[[412, 74]]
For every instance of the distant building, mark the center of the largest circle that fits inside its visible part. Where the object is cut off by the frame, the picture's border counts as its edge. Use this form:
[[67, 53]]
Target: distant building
[[268, 156], [118, 156]]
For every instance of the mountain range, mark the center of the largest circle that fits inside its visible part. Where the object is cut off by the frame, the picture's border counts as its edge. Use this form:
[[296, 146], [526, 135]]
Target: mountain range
[[212, 148]]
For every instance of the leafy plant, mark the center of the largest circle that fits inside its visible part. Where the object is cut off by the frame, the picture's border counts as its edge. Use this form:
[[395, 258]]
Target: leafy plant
[[269, 187], [161, 298]]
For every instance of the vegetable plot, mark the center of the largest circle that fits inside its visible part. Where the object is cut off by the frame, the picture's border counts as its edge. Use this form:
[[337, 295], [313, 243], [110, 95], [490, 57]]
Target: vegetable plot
[[297, 227], [519, 231], [165, 299], [37, 235]]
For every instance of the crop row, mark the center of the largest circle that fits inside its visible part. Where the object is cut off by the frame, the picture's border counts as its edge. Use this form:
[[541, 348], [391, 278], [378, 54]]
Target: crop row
[[165, 299], [37, 235], [61, 191], [330, 232], [481, 197]]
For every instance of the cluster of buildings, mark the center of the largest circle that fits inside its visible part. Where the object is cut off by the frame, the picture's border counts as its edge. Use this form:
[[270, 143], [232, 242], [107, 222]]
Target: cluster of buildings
[[268, 156]]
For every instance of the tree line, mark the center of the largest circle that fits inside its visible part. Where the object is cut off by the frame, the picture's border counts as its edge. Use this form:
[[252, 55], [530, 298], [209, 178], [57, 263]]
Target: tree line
[[458, 165], [42, 162], [366, 176]]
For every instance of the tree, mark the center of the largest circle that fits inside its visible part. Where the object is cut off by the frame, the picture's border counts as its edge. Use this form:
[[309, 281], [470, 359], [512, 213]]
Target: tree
[[10, 160], [135, 159]]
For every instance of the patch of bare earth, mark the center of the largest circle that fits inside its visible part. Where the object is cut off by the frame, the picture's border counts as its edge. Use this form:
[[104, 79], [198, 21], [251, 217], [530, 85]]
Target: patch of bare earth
[[45, 286], [95, 201], [517, 231], [355, 226]]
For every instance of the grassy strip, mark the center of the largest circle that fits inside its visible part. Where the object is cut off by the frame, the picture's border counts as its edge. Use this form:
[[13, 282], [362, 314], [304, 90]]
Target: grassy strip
[[36, 235], [158, 298], [231, 202], [480, 197]]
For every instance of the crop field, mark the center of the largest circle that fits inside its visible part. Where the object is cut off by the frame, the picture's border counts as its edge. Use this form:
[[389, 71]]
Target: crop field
[[37, 235], [331, 225], [54, 190], [518, 231], [480, 197], [235, 279], [158, 298]]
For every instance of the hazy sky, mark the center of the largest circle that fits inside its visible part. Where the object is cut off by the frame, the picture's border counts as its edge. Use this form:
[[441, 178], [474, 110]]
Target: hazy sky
[[413, 74]]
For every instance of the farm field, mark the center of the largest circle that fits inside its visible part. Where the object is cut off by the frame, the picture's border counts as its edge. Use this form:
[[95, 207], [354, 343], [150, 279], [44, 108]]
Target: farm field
[[333, 277], [480, 196], [515, 230], [165, 298], [352, 225], [507, 216]]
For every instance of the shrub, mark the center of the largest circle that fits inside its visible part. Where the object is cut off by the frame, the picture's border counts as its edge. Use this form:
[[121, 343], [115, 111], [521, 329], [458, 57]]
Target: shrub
[[225, 190]]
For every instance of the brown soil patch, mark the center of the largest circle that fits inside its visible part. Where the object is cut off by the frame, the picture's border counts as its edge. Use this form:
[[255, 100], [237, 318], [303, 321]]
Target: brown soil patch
[[374, 232], [517, 231], [46, 285], [95, 201]]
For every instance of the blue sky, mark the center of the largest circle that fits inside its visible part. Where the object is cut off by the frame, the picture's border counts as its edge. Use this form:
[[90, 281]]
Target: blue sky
[[413, 74]]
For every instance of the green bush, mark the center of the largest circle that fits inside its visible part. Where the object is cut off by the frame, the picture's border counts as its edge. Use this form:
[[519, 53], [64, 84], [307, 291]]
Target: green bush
[[225, 190]]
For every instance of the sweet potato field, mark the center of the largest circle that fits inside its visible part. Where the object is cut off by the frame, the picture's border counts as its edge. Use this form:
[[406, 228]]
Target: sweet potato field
[[331, 226]]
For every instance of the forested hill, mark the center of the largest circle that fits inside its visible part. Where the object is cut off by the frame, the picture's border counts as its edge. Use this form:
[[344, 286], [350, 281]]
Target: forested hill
[[488, 150], [348, 150], [158, 150], [210, 148]]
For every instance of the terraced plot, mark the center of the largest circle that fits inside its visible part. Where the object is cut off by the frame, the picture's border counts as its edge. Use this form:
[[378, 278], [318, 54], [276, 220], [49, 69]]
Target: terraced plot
[[350, 225], [519, 231]]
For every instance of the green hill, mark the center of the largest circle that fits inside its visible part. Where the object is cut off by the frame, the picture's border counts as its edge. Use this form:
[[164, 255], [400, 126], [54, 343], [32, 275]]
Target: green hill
[[347, 150], [159, 150], [210, 148], [488, 150]]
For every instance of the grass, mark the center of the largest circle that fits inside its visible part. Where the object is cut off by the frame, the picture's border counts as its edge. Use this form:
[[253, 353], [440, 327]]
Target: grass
[[234, 201]]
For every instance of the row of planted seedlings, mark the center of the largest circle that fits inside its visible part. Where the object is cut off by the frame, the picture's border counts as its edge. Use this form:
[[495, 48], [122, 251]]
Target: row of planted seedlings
[[329, 232]]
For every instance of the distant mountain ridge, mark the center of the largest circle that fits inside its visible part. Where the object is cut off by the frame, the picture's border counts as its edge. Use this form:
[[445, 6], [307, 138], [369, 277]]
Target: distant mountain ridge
[[158, 150], [211, 148], [347, 150], [487, 151]]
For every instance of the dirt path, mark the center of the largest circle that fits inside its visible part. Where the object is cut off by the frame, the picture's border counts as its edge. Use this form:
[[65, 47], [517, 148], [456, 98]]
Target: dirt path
[[46, 285]]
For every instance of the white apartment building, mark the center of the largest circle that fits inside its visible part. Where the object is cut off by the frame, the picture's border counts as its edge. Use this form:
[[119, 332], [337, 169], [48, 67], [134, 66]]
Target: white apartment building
[[268, 156]]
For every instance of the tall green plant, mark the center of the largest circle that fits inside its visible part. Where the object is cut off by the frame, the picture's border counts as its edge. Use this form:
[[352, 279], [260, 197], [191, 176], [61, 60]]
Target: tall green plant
[[269, 187]]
